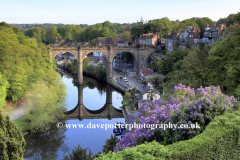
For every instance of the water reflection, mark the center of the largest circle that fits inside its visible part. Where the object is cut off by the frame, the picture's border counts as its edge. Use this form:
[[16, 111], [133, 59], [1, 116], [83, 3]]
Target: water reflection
[[95, 96], [46, 145]]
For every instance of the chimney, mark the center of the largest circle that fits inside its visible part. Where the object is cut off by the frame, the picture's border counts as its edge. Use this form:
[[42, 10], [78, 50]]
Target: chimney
[[169, 33], [207, 25]]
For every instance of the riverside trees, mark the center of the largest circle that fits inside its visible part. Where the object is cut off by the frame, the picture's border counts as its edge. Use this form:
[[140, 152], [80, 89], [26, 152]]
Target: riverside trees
[[24, 65]]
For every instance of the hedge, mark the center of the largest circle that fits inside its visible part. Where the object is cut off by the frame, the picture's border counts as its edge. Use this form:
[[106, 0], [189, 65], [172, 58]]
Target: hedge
[[220, 140]]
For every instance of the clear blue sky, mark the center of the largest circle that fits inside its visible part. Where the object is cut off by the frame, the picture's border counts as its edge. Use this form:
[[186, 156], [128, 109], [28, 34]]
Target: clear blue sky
[[121, 11]]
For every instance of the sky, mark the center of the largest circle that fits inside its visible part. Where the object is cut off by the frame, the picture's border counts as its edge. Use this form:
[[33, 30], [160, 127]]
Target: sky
[[122, 11]]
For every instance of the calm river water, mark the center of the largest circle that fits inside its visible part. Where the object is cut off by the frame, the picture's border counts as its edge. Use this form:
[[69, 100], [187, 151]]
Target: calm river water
[[58, 142]]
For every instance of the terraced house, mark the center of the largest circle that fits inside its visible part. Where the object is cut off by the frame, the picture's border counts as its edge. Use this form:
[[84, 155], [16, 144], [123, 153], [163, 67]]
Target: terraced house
[[148, 39], [211, 33]]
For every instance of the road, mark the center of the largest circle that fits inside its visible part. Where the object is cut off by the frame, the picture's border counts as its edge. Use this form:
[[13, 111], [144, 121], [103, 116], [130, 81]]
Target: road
[[131, 80]]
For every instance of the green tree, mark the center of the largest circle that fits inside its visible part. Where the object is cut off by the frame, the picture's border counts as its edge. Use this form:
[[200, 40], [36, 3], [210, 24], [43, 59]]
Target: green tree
[[12, 142], [127, 99], [191, 71], [201, 23], [52, 34], [110, 144], [80, 153], [224, 61], [126, 36], [3, 90], [104, 32], [49, 102]]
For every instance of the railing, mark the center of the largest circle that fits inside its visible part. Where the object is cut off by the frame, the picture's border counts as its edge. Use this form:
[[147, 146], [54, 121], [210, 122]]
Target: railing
[[111, 81]]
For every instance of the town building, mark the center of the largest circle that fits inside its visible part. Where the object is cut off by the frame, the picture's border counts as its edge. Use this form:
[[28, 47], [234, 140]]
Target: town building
[[150, 93], [103, 41], [141, 22], [68, 56], [171, 41], [122, 43], [144, 72], [148, 39], [98, 54], [194, 38], [211, 33], [93, 60]]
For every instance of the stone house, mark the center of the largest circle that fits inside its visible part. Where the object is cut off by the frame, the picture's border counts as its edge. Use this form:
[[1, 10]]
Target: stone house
[[185, 34], [103, 41], [148, 39], [146, 96], [144, 72], [93, 60], [194, 38], [212, 33], [122, 43], [68, 56], [171, 41]]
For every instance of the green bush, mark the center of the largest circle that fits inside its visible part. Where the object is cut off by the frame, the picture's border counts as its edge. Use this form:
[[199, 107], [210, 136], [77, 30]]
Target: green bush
[[220, 140]]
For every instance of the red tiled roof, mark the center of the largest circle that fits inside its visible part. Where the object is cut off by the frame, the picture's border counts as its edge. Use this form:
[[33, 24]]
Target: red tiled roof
[[145, 71]]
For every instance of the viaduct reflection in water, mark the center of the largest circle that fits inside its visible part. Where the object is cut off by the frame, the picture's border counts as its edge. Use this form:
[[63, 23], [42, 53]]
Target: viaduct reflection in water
[[107, 111]]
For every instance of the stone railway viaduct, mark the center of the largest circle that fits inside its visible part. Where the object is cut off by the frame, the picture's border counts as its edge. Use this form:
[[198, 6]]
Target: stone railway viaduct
[[140, 55]]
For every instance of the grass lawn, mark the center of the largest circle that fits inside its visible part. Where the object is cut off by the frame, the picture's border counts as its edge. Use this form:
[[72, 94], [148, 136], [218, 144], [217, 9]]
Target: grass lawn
[[21, 123]]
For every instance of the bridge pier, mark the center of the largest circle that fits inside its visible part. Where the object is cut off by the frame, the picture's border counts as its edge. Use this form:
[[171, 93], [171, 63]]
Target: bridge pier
[[80, 67], [109, 102], [80, 102]]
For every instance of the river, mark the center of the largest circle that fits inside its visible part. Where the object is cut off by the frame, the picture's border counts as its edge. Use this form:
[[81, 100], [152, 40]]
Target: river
[[58, 142]]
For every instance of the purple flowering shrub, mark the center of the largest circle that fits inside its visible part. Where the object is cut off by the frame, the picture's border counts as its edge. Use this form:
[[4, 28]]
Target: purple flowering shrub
[[186, 106]]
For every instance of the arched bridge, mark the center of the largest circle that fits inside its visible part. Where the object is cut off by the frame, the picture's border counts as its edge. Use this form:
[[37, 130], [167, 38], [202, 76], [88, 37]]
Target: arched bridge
[[140, 55], [107, 111]]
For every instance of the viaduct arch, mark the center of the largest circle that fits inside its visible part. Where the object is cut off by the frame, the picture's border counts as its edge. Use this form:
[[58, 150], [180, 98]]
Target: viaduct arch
[[140, 55]]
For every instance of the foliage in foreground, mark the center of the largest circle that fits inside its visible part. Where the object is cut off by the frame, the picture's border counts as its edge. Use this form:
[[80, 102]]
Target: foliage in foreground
[[186, 106], [79, 153], [220, 140], [46, 104], [12, 142]]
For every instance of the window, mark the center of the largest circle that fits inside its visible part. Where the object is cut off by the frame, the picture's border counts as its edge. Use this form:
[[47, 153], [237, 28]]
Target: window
[[155, 97]]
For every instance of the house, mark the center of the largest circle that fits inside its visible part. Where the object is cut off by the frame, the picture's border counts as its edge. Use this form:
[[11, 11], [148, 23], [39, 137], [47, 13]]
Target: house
[[211, 33], [103, 41], [171, 41], [161, 43], [68, 56], [93, 60], [225, 31], [150, 93], [144, 72], [135, 43], [122, 43], [149, 39], [183, 40], [194, 38], [98, 54]]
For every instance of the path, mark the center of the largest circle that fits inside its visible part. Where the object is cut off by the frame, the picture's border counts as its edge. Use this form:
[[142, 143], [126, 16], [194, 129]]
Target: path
[[18, 112]]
